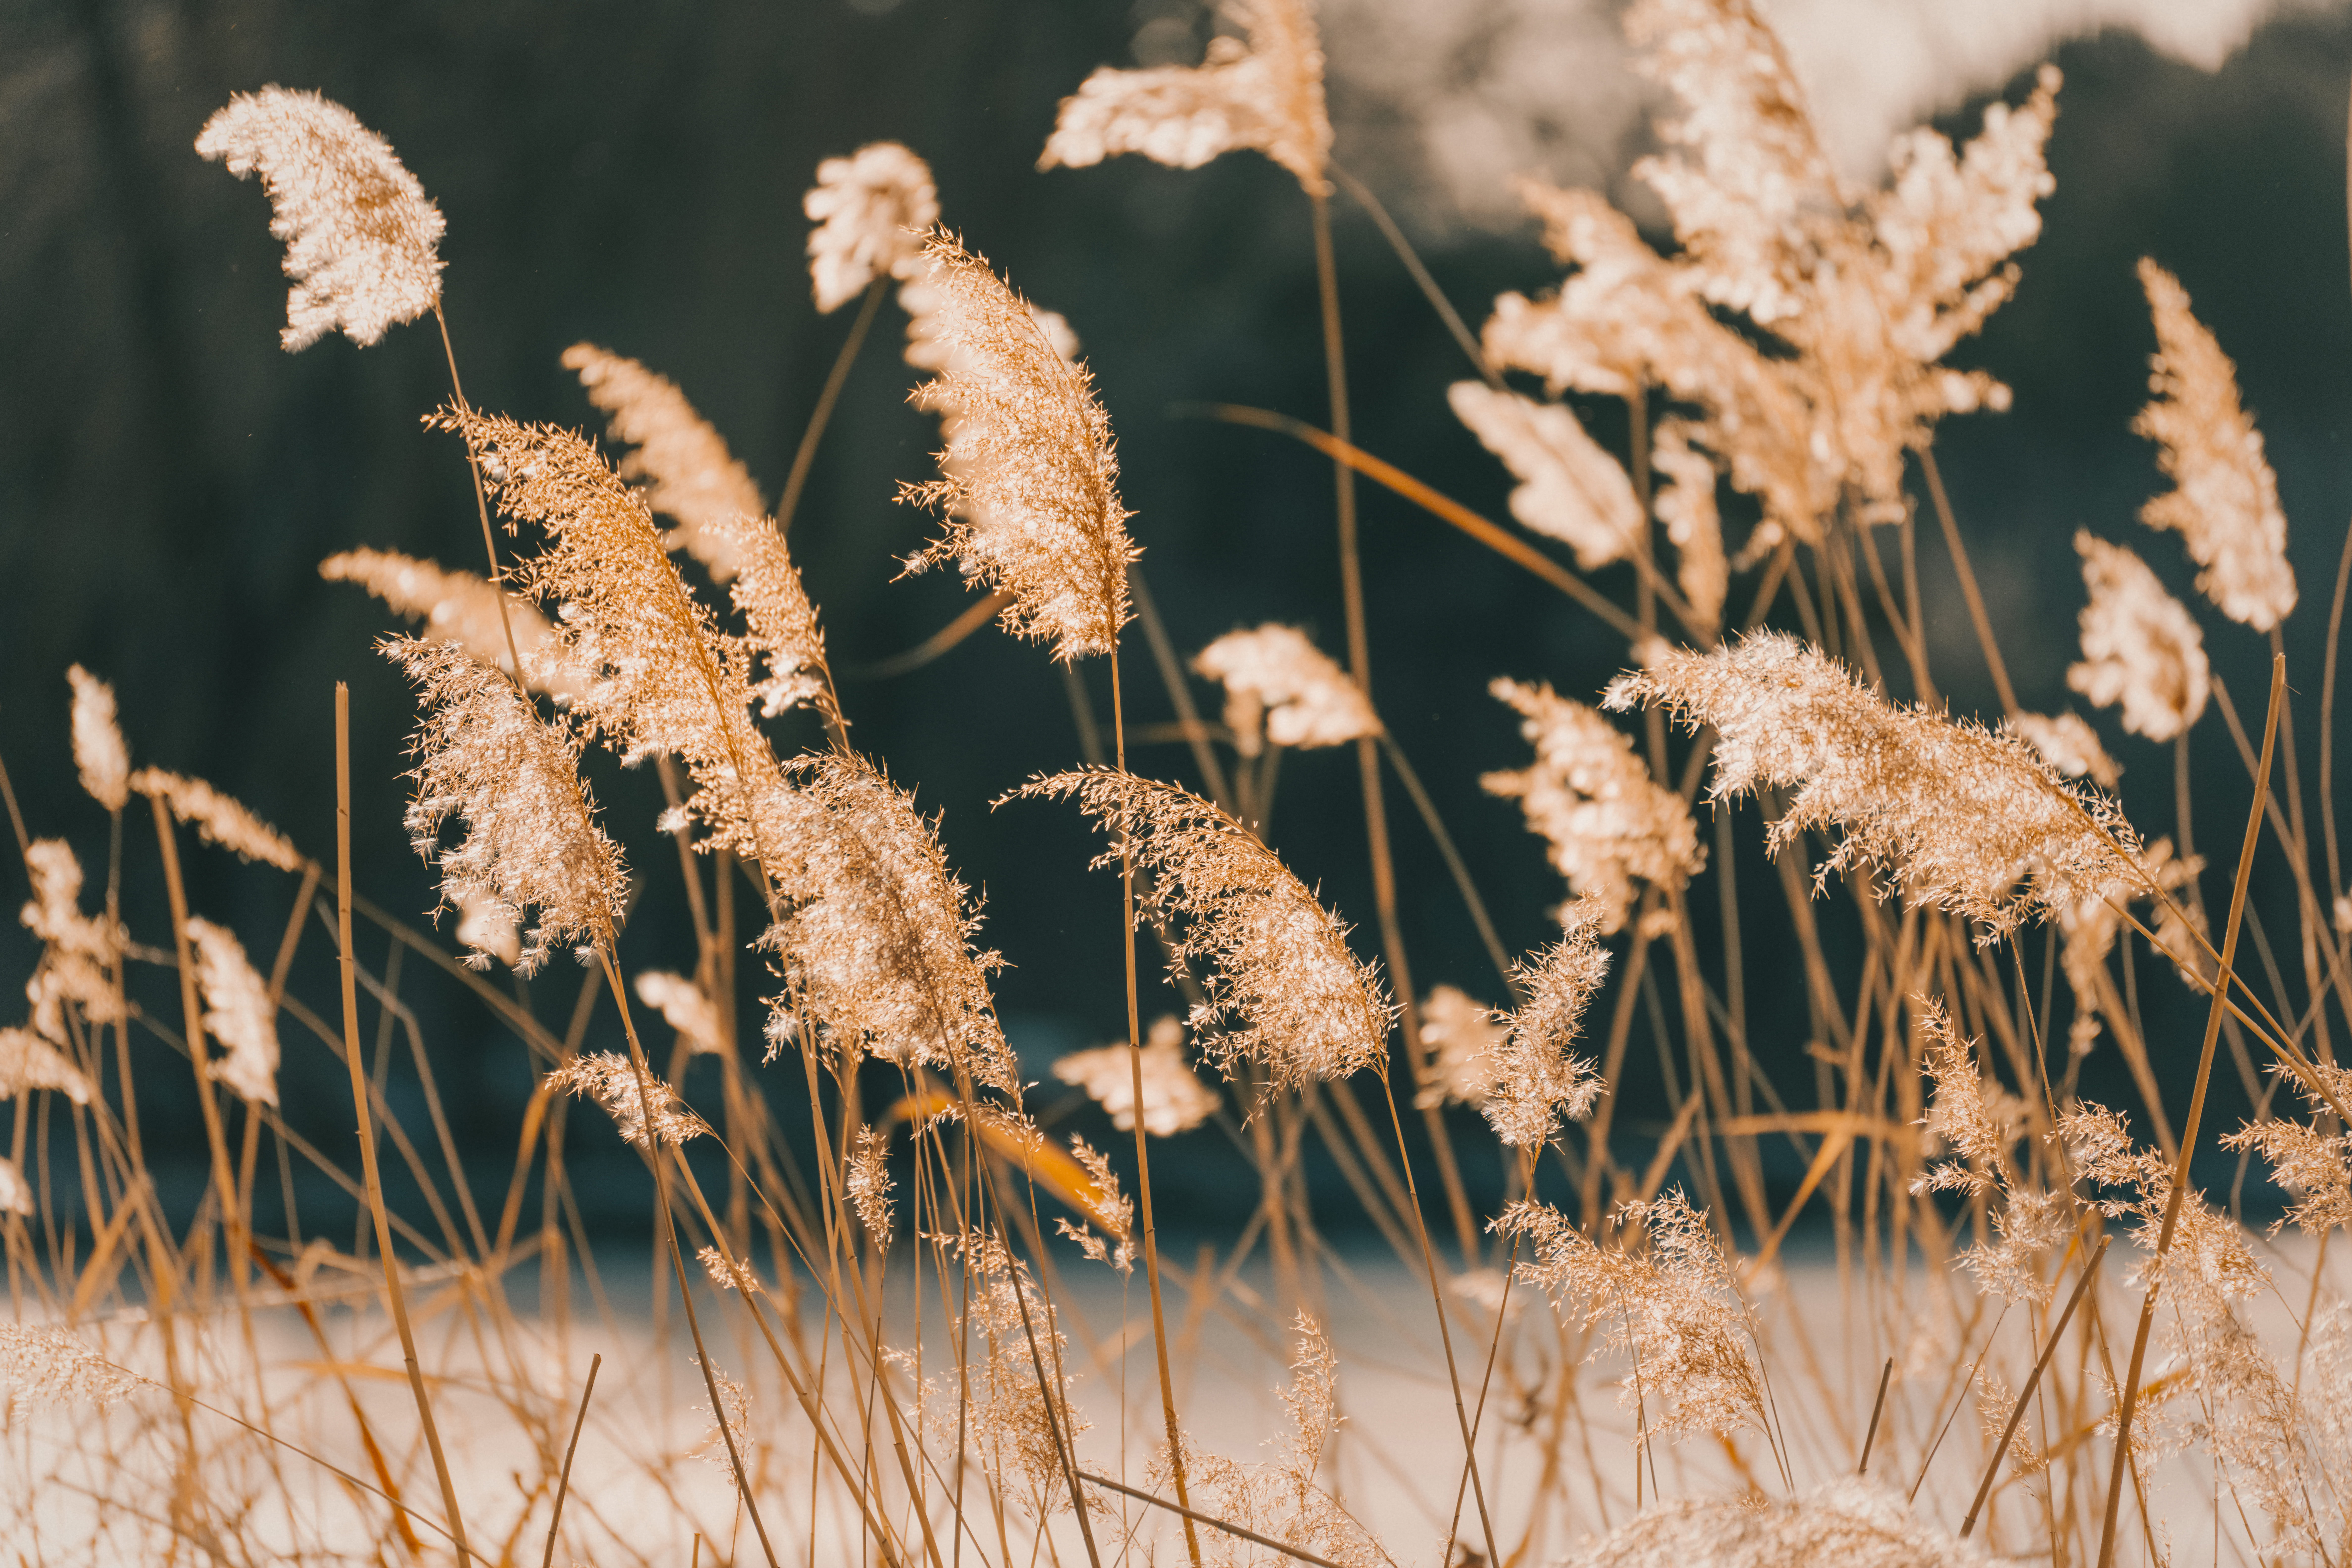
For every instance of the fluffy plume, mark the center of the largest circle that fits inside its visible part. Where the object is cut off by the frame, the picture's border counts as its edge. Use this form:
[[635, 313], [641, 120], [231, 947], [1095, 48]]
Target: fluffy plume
[[1265, 92], [486, 757], [1464, 1040], [1569, 487], [458, 608], [1012, 1431], [1174, 1098], [487, 927], [2225, 503], [2069, 744], [16, 1193], [684, 464], [44, 1365], [217, 818], [2310, 1162], [612, 1081], [1279, 687], [1977, 1121], [1608, 822], [2139, 646], [1852, 1522], [1279, 972], [735, 1402], [1860, 294], [657, 673], [1967, 821], [872, 210], [780, 623], [100, 753], [1106, 1206], [684, 1009], [362, 239], [1029, 486], [877, 934], [868, 1183], [28, 1062], [237, 1013], [1279, 1497], [76, 948], [1536, 1082], [1684, 501], [1658, 1287]]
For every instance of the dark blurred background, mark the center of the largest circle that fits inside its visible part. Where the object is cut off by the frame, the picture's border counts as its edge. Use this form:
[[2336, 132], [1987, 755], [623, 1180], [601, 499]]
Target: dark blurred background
[[631, 174]]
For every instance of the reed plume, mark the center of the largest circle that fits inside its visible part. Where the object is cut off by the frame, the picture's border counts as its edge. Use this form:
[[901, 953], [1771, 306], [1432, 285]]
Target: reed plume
[[76, 948], [1569, 487], [2311, 1161], [1959, 818], [16, 1193], [866, 1179], [362, 239], [462, 608], [2068, 743], [217, 818], [2224, 503], [685, 1007], [687, 472], [1262, 91], [618, 1086], [875, 932], [1174, 1098], [1280, 687], [1280, 976], [872, 210], [1609, 825], [485, 757], [1464, 1038], [2140, 647], [1536, 1082], [101, 755], [1848, 1522], [41, 1364], [238, 1013], [29, 1063], [1029, 481]]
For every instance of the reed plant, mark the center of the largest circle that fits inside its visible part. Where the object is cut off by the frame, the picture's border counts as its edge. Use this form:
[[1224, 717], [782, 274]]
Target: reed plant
[[892, 1259]]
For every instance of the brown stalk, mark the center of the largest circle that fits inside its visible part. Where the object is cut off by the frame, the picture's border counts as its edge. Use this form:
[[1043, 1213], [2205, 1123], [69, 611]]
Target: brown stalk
[[1142, 1156], [563, 1481], [1976, 616], [2017, 1415], [1878, 1408], [806, 453], [391, 1261], [1210, 1520], [2196, 1108]]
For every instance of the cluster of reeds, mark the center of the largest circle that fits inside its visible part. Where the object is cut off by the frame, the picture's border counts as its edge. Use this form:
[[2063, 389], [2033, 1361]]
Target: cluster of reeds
[[886, 1331]]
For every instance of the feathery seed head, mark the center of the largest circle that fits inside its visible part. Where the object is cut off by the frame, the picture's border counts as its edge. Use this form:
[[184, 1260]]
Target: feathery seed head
[[1569, 487], [77, 948], [1960, 818], [1684, 479], [1296, 1001], [458, 608], [1265, 92], [876, 933], [1279, 687], [1464, 1038], [1536, 1082], [1852, 1522], [868, 1183], [486, 757], [1607, 821], [42, 1364], [2140, 645], [100, 753], [2310, 1161], [1174, 1098], [488, 929], [686, 469], [2069, 746], [217, 818], [238, 1013], [684, 1009], [1029, 487], [1979, 1125], [361, 238], [28, 1062], [780, 621], [611, 1080], [872, 210], [2225, 501], [16, 1193]]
